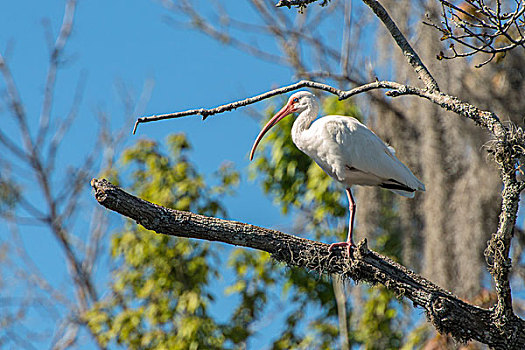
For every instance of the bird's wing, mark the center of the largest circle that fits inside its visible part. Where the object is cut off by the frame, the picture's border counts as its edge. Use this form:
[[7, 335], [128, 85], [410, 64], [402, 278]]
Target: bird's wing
[[360, 149]]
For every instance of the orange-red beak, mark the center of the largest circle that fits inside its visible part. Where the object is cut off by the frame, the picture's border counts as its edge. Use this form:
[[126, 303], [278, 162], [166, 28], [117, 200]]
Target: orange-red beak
[[276, 118]]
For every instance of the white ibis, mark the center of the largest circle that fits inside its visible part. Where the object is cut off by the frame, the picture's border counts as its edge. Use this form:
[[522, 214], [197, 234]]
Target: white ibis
[[346, 150]]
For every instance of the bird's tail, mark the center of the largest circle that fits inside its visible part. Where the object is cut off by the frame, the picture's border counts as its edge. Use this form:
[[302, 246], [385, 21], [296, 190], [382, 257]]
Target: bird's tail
[[409, 194], [402, 189]]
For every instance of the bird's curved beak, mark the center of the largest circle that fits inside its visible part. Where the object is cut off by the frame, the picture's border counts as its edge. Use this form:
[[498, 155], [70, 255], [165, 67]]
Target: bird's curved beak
[[276, 118]]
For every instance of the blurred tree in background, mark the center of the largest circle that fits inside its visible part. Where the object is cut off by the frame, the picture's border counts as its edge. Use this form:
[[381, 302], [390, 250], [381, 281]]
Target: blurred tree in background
[[162, 290]]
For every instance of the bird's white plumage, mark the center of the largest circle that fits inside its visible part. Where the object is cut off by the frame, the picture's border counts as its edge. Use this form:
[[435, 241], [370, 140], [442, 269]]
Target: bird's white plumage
[[346, 150], [350, 152]]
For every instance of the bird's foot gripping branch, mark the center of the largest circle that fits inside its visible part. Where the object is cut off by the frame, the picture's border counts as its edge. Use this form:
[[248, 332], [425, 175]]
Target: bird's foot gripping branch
[[445, 311]]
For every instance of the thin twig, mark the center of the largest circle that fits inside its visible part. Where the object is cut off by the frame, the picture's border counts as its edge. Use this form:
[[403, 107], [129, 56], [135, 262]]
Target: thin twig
[[58, 48], [234, 105], [485, 119]]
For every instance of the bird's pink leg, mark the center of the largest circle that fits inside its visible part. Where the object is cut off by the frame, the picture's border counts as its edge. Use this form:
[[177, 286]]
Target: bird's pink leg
[[349, 241]]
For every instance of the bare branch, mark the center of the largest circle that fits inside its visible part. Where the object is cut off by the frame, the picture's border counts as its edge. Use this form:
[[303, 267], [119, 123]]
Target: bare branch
[[16, 105], [60, 43], [485, 119], [13, 147], [228, 107], [347, 36], [447, 313], [201, 23], [340, 298], [65, 124], [481, 28], [497, 252]]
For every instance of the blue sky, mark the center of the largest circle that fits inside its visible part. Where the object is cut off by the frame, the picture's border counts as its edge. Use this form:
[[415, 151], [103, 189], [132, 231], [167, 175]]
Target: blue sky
[[130, 43], [114, 42]]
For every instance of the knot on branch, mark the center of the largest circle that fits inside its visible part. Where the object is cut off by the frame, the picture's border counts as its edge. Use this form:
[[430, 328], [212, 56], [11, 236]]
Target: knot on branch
[[398, 92], [435, 310], [495, 252], [205, 113]]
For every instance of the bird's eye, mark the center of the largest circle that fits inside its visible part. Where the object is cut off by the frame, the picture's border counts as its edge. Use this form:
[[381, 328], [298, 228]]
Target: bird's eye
[[295, 100]]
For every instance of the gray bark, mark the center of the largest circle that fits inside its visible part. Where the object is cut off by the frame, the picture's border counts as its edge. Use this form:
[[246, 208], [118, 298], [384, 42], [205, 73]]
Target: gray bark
[[449, 314]]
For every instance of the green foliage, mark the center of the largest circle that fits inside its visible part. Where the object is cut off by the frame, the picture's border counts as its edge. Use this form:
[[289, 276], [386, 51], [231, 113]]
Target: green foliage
[[388, 234], [418, 337], [332, 105], [377, 326], [172, 180], [159, 291], [306, 292], [260, 281], [256, 277]]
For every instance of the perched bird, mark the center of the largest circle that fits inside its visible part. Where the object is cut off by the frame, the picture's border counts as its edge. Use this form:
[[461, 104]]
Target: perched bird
[[346, 150]]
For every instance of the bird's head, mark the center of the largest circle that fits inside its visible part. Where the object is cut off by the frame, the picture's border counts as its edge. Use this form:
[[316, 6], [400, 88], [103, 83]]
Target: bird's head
[[301, 101], [297, 103]]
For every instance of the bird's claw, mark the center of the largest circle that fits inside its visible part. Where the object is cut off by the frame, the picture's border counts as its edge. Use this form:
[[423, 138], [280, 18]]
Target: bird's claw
[[348, 246]]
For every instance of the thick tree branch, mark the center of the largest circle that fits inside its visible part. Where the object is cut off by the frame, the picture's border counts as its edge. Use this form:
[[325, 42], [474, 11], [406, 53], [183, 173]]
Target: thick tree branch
[[445, 311]]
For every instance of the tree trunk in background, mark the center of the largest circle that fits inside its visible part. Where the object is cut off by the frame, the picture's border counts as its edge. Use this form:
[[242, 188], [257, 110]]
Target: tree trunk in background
[[445, 229], [439, 175]]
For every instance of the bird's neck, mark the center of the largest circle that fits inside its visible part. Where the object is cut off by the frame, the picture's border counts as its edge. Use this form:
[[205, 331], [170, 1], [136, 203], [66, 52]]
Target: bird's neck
[[303, 122]]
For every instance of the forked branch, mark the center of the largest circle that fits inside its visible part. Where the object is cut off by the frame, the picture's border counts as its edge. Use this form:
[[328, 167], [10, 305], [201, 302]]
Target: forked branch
[[477, 26]]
